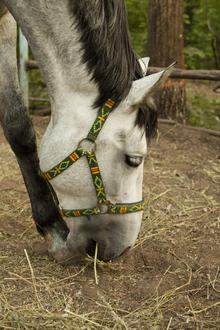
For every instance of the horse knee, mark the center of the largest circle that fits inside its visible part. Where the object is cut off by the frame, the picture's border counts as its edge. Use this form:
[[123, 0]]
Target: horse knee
[[18, 128], [21, 137]]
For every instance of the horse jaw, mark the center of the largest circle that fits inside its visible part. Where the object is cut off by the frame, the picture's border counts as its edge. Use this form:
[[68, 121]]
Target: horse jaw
[[143, 89]]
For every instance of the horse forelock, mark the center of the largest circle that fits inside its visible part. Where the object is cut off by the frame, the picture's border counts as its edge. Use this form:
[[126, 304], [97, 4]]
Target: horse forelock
[[109, 53], [107, 48]]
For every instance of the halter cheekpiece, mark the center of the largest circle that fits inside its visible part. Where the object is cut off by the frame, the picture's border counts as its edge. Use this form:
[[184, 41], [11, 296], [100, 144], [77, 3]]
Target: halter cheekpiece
[[104, 206]]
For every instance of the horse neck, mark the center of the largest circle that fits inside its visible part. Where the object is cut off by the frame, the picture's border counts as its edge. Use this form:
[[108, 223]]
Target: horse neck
[[69, 83], [54, 39], [72, 92]]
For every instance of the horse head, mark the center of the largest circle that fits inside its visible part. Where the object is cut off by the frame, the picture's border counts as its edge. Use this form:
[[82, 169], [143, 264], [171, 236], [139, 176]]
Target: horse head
[[100, 194]]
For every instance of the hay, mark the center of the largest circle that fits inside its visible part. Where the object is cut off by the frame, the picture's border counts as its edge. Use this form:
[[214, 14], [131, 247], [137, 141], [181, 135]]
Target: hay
[[167, 281], [95, 263]]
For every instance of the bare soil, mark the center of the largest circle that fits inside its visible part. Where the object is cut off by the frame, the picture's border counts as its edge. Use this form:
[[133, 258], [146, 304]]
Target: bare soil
[[169, 280]]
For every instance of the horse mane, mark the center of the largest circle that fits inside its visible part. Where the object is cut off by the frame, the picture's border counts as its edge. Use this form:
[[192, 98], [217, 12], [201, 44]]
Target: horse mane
[[107, 49]]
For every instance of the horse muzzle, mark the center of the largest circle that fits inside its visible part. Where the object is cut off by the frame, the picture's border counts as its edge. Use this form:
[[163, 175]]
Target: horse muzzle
[[115, 235]]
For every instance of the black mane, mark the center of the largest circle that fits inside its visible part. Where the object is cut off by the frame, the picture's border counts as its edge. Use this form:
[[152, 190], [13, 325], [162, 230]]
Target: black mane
[[108, 51]]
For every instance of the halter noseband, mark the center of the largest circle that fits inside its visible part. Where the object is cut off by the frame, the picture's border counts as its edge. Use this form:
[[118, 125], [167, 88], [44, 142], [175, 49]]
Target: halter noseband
[[102, 202]]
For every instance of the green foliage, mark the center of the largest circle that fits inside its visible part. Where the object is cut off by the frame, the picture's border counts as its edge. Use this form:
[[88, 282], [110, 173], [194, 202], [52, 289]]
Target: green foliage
[[137, 17], [197, 36], [203, 112]]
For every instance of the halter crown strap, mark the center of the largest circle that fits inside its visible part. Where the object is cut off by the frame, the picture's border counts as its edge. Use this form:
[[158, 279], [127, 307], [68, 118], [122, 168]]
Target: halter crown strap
[[96, 175], [100, 120]]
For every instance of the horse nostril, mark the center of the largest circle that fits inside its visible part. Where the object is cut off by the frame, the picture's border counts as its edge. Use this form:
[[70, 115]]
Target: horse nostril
[[90, 248], [125, 251]]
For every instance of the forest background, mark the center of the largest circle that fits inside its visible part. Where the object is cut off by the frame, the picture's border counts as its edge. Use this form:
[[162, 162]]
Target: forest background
[[198, 50], [203, 108]]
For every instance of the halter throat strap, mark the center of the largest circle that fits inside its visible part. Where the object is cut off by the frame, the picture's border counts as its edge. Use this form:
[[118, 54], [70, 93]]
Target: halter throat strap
[[104, 206]]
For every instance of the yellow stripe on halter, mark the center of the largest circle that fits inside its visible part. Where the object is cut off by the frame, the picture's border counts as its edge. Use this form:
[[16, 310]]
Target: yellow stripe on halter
[[123, 209], [47, 176], [74, 157]]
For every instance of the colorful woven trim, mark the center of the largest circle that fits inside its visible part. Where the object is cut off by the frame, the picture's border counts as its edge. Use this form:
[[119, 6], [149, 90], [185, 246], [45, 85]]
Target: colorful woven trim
[[128, 208], [80, 213], [62, 166], [100, 120], [114, 209], [96, 176]]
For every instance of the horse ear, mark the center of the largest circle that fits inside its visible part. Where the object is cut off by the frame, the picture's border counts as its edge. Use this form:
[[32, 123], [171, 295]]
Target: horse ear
[[143, 89], [144, 64]]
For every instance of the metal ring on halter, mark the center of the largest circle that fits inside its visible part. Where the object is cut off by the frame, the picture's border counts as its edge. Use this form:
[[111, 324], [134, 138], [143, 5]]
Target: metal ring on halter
[[107, 204], [85, 138]]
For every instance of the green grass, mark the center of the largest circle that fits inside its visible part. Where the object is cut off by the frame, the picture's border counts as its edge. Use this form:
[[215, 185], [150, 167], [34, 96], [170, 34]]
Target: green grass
[[203, 112]]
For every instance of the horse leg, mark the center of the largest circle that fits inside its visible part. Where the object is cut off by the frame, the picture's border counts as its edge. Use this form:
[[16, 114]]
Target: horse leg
[[19, 132]]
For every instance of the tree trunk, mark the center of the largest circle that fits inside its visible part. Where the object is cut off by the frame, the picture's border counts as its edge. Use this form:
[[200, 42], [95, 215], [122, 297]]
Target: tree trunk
[[164, 46]]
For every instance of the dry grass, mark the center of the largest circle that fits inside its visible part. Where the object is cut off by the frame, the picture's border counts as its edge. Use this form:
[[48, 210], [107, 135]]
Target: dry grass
[[166, 282]]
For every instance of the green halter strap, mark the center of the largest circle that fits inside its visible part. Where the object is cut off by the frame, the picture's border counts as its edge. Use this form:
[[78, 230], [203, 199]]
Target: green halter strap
[[102, 202]]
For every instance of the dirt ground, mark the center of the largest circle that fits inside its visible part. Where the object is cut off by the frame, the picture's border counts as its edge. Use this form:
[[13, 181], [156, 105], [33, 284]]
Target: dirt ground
[[169, 280]]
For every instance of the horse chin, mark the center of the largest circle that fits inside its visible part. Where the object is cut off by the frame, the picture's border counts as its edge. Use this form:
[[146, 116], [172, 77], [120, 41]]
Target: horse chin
[[113, 237], [104, 253]]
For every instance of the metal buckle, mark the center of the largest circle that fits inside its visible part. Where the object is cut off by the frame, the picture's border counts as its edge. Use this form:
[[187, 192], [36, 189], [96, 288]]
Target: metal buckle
[[108, 204], [85, 138]]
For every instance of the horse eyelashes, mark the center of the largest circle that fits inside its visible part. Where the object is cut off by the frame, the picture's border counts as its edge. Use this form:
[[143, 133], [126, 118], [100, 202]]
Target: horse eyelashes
[[133, 161]]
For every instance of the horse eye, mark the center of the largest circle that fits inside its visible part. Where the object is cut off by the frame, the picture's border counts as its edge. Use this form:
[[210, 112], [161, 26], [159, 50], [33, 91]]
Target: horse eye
[[133, 161]]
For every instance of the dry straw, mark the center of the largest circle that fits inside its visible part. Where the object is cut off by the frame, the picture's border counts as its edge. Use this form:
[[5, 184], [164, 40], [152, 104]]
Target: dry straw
[[38, 293]]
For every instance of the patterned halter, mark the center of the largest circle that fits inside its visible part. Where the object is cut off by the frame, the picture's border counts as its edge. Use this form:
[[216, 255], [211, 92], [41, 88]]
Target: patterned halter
[[104, 206]]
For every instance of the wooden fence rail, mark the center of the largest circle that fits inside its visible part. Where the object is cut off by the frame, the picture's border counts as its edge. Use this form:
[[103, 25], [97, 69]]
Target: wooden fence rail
[[190, 74], [176, 73]]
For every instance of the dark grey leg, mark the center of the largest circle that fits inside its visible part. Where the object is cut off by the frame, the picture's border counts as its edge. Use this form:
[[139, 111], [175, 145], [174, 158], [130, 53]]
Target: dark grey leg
[[19, 132]]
